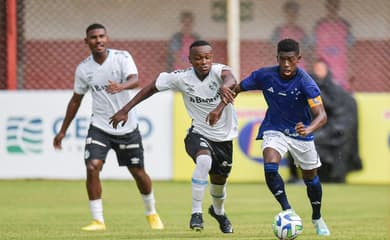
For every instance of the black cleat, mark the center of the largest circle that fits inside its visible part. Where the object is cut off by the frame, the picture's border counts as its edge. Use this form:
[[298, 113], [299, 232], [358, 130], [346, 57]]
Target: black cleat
[[224, 224], [196, 222]]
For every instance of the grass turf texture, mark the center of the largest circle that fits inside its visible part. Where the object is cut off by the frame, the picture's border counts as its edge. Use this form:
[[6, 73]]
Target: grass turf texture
[[34, 209]]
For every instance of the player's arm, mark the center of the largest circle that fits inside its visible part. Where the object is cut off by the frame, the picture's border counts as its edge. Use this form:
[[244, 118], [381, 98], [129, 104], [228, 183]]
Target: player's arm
[[319, 117], [122, 114], [227, 96], [130, 83], [73, 107], [226, 90]]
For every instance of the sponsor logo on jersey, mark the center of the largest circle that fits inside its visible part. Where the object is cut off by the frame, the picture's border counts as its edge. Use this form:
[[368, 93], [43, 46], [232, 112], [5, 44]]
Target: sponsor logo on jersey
[[205, 100], [98, 88], [24, 135]]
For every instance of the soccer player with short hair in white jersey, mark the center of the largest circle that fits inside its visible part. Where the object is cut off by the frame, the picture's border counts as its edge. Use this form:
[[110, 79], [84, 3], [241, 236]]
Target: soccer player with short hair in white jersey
[[295, 111], [108, 73], [210, 146]]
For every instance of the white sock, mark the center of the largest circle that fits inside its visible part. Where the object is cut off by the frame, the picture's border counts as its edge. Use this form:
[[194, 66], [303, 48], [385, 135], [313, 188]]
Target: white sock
[[199, 181], [218, 192], [96, 208], [149, 203]]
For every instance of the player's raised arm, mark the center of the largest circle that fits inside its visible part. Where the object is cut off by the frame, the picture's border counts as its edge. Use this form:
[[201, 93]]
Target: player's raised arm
[[121, 115]]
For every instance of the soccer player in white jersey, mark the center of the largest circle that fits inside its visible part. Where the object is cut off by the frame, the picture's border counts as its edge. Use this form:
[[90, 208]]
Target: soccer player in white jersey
[[210, 147], [295, 111], [108, 73]]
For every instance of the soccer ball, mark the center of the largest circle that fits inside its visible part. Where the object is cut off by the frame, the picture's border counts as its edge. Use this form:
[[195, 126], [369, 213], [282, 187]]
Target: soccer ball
[[287, 225]]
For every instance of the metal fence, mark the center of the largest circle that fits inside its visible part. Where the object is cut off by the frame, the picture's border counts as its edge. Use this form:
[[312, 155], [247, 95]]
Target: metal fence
[[352, 36]]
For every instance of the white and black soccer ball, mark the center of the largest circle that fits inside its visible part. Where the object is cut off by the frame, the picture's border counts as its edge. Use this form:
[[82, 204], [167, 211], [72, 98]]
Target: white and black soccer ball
[[287, 225]]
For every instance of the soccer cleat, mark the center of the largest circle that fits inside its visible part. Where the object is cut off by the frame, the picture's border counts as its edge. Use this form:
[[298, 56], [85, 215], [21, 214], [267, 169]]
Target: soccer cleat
[[196, 222], [95, 225], [155, 221], [321, 228], [224, 224]]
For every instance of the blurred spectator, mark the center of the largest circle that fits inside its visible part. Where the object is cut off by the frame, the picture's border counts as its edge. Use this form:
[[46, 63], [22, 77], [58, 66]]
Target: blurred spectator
[[290, 29], [337, 141], [333, 38], [180, 42]]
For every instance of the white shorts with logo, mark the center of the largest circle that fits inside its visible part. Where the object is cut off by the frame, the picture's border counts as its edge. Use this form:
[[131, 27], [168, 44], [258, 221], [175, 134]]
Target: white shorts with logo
[[304, 152]]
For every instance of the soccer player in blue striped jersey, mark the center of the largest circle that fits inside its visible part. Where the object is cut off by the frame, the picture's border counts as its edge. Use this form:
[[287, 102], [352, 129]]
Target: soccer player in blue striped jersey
[[295, 111]]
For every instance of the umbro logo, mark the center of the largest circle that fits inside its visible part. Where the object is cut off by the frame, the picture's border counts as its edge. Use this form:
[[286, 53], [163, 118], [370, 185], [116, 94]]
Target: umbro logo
[[270, 89], [278, 193]]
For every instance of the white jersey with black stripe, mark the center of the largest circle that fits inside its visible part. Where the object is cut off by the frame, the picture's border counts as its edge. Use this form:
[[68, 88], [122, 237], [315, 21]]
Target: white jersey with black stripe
[[201, 97], [91, 75]]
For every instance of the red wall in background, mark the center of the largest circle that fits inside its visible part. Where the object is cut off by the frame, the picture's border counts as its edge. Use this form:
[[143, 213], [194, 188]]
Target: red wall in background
[[51, 64]]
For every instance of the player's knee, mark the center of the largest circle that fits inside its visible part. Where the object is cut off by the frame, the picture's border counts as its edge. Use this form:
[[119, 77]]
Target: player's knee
[[94, 166], [137, 173], [271, 168], [217, 179], [313, 181]]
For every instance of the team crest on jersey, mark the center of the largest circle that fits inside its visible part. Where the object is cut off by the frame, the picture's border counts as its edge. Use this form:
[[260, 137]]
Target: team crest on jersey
[[213, 85], [296, 92]]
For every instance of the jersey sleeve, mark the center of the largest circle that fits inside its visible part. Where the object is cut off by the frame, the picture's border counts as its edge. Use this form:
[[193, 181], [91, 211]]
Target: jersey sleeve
[[128, 64], [252, 82], [311, 90], [166, 81], [80, 84], [218, 68]]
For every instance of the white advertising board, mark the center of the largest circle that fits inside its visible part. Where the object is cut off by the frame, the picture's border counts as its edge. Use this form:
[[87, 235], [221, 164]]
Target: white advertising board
[[29, 121]]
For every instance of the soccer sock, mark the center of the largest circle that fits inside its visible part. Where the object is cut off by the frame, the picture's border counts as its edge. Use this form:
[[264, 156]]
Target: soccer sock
[[275, 184], [199, 181], [218, 192], [314, 192], [96, 208], [149, 203]]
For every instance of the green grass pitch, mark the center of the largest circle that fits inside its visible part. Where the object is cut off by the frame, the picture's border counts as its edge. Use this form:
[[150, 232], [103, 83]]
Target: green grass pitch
[[39, 209]]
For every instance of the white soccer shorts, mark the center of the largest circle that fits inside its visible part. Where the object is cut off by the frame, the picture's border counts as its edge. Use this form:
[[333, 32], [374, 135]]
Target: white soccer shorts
[[304, 152]]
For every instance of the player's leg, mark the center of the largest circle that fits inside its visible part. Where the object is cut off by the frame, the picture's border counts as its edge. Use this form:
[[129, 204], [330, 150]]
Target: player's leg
[[314, 192], [274, 147], [220, 170], [308, 159], [96, 148], [129, 150], [144, 185], [293, 170], [217, 209], [198, 148]]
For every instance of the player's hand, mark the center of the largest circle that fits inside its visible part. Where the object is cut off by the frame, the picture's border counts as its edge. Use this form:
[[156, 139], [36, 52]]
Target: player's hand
[[301, 129], [120, 116], [213, 117], [114, 87], [227, 95], [57, 142]]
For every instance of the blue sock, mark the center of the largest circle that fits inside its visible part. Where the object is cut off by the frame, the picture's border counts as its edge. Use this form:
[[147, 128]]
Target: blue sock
[[275, 184], [314, 192]]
